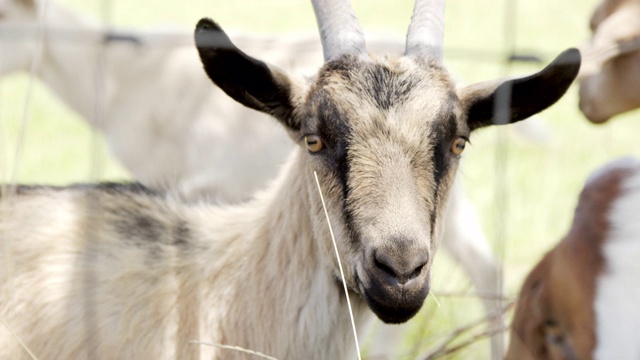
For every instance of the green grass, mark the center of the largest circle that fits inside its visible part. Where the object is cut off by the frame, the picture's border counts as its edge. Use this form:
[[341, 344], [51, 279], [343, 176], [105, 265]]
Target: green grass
[[57, 148], [538, 182]]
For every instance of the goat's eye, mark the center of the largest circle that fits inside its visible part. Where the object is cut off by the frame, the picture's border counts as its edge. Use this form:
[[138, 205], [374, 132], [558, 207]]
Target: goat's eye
[[458, 146], [552, 332], [557, 344], [314, 143]]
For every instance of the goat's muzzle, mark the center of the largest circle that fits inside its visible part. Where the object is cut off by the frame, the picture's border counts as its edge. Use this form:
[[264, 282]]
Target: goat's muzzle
[[395, 281]]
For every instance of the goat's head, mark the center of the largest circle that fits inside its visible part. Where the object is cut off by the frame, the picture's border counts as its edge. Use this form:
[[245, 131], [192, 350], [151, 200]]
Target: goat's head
[[577, 302], [18, 39], [609, 78], [385, 137]]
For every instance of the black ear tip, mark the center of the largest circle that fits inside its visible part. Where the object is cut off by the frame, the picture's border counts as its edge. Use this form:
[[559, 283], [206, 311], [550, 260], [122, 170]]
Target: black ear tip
[[570, 56], [210, 36], [206, 24], [574, 54]]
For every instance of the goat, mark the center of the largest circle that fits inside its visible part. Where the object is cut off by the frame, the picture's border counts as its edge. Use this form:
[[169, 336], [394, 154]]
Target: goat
[[580, 301], [611, 74], [202, 141], [172, 120], [122, 272]]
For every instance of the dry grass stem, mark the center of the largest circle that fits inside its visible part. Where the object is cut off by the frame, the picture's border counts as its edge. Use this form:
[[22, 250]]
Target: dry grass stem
[[235, 348], [444, 348], [24, 346], [471, 294], [477, 337], [344, 283], [435, 299]]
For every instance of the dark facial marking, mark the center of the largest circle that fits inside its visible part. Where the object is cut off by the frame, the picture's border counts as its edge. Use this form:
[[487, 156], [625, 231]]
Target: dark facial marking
[[385, 87], [373, 80], [334, 129], [332, 126], [443, 133]]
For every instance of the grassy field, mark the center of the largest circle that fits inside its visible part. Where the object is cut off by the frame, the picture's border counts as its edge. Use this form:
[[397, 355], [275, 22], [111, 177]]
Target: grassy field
[[524, 191]]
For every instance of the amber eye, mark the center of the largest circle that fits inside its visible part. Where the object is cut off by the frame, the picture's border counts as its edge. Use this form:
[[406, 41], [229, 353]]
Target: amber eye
[[314, 143], [458, 146], [558, 345]]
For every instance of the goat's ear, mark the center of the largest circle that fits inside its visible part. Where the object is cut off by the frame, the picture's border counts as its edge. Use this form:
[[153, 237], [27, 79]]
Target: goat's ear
[[503, 102], [249, 81]]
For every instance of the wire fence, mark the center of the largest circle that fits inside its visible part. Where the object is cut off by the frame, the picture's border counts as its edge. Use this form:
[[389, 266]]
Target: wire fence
[[503, 202]]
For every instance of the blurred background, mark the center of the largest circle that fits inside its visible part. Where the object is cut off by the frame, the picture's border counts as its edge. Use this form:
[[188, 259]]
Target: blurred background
[[523, 183]]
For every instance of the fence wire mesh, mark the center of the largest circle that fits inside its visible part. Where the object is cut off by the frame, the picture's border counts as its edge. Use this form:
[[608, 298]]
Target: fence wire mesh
[[67, 66]]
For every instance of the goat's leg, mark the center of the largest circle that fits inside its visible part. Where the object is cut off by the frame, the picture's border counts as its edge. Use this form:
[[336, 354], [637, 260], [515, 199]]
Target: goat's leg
[[384, 341], [465, 241]]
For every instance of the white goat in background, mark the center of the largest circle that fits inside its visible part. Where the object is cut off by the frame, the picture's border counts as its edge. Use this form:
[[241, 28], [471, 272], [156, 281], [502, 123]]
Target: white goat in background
[[202, 143]]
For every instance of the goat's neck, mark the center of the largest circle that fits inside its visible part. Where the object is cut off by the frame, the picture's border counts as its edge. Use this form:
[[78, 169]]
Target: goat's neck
[[73, 67], [288, 289]]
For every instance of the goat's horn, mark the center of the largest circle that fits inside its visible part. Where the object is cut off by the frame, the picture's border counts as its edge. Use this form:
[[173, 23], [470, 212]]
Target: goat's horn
[[426, 31], [339, 28]]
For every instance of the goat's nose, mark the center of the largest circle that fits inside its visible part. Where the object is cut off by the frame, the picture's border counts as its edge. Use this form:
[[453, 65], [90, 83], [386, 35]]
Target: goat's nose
[[402, 268]]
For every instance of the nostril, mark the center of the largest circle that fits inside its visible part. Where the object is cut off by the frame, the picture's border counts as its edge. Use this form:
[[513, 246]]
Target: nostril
[[384, 267], [417, 272], [401, 270]]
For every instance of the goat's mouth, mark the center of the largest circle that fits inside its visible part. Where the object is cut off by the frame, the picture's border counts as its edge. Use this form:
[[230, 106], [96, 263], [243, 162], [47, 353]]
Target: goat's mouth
[[393, 306]]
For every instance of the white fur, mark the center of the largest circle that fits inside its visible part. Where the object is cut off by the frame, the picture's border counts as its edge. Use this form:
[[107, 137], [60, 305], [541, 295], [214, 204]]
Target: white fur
[[257, 275], [618, 289]]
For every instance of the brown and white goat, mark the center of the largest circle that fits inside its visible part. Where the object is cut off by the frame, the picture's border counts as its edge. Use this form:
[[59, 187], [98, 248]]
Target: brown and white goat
[[610, 78], [112, 271], [581, 300]]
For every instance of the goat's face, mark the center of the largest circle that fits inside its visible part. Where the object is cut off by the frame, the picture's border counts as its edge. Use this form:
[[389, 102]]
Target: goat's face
[[554, 316], [384, 136], [613, 90], [388, 130], [579, 300], [18, 40], [609, 80]]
